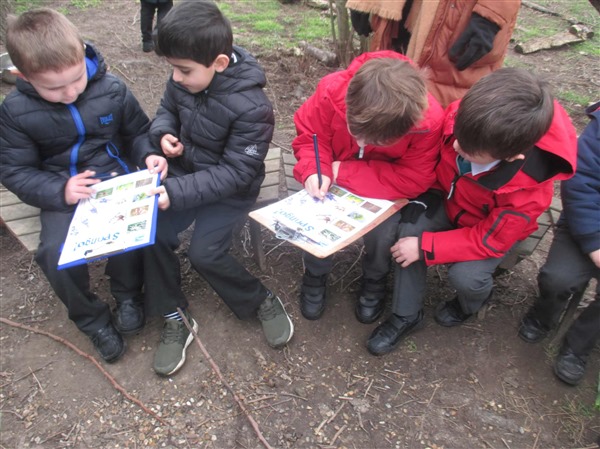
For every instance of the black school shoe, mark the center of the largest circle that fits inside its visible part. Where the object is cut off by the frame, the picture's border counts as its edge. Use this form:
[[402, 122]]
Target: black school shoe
[[531, 330], [569, 367], [129, 316], [312, 296], [449, 313], [371, 301], [108, 342], [388, 335]]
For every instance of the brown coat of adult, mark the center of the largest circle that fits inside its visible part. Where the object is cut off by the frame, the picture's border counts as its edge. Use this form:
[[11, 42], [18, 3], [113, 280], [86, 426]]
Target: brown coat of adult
[[435, 25]]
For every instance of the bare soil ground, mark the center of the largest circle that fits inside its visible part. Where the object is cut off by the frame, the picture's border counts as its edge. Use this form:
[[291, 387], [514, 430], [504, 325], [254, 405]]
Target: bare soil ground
[[476, 386]]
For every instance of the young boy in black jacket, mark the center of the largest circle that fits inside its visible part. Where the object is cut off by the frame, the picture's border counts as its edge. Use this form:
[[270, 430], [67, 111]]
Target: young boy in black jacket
[[214, 125], [67, 121]]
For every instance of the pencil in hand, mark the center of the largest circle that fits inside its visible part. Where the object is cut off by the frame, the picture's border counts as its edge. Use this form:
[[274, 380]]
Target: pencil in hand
[[317, 160]]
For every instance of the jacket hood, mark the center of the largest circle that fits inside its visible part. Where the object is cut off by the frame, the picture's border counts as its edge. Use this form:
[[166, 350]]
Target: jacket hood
[[95, 66], [552, 158], [243, 73]]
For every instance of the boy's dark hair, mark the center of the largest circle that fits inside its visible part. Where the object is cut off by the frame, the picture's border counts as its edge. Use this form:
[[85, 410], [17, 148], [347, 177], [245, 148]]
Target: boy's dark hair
[[195, 30], [41, 40], [385, 98], [504, 114]]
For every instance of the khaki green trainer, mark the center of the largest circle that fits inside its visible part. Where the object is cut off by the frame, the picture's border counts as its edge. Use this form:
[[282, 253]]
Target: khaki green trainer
[[174, 340], [276, 323]]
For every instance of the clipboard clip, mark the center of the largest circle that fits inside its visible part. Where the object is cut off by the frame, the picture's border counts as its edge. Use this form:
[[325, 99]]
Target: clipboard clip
[[283, 232]]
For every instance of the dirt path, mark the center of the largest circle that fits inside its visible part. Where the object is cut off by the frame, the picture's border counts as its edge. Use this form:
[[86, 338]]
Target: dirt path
[[476, 386]]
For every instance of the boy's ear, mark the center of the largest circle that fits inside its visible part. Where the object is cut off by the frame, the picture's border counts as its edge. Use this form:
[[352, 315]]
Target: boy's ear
[[221, 63], [517, 157]]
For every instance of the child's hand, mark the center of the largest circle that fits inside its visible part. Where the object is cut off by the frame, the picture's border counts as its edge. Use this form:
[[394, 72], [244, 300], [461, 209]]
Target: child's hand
[[163, 197], [406, 251], [157, 164], [77, 187], [171, 145], [312, 186]]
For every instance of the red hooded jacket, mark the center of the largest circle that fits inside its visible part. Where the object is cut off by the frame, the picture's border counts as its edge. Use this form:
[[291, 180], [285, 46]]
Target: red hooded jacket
[[495, 209], [403, 170]]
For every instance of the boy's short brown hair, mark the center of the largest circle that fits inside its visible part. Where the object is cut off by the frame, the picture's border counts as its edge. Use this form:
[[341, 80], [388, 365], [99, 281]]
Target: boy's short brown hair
[[385, 98], [41, 40], [504, 114]]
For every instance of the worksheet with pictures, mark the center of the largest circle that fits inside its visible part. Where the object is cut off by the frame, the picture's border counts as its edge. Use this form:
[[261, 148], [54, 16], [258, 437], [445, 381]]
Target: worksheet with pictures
[[120, 216], [324, 227]]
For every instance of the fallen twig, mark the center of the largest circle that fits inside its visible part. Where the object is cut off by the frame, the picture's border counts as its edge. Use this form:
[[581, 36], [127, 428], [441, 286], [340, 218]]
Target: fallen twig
[[264, 398], [74, 348], [124, 75], [293, 396], [368, 388], [12, 412], [25, 375], [336, 413], [320, 426], [217, 371], [539, 8], [36, 379], [337, 434]]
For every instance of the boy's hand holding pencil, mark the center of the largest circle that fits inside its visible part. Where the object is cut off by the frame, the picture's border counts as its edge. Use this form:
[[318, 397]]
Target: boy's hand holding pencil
[[312, 186]]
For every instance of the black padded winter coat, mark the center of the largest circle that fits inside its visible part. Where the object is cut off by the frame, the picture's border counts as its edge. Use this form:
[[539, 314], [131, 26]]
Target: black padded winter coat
[[225, 130], [42, 144]]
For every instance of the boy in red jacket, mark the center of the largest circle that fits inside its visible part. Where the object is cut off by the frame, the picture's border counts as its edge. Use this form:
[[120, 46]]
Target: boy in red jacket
[[378, 132], [503, 146]]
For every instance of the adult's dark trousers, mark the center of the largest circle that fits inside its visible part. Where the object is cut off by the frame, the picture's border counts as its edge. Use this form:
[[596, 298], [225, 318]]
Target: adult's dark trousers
[[565, 276], [209, 254], [72, 285], [473, 280], [147, 10], [377, 259]]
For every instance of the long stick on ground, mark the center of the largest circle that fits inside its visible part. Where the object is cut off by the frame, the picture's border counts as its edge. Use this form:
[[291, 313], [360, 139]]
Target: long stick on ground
[[106, 374], [216, 369]]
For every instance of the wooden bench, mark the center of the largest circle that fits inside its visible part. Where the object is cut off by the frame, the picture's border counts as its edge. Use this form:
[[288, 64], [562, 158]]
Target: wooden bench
[[269, 193], [23, 221]]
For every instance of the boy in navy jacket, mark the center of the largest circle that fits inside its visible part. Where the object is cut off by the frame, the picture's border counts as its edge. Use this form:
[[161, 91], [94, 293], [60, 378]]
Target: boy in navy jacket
[[573, 260], [68, 121]]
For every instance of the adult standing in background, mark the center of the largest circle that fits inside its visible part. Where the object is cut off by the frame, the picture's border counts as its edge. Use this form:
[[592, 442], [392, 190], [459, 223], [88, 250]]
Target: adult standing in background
[[147, 10], [459, 42]]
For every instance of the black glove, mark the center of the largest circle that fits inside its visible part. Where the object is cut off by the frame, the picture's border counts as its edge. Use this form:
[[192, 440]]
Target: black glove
[[360, 22], [474, 43], [427, 202]]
